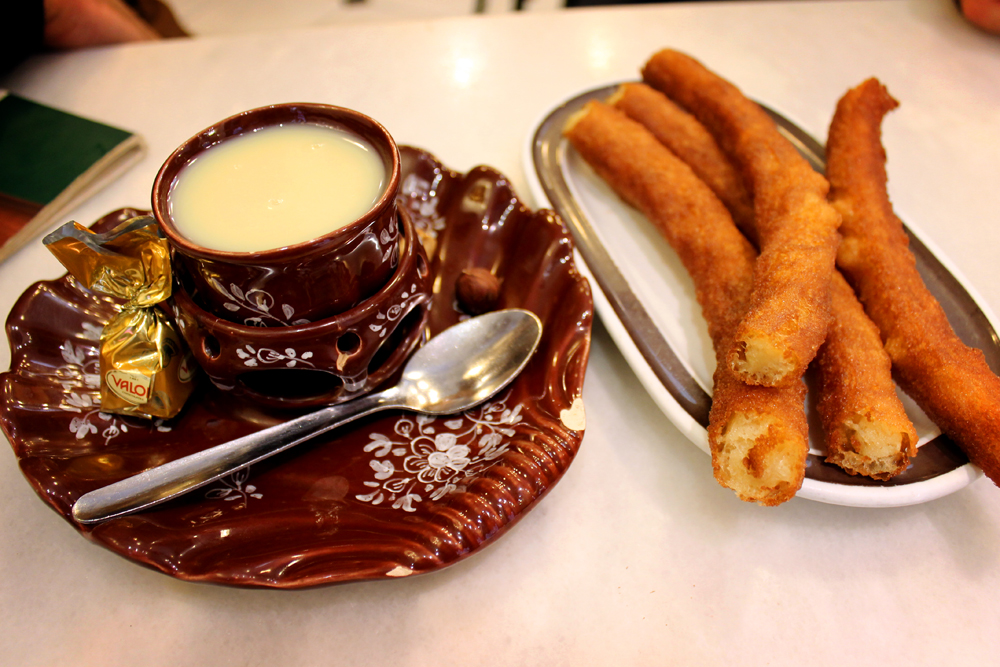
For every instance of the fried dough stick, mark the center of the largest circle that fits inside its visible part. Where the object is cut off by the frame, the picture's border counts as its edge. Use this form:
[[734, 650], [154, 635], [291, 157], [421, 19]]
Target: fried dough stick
[[691, 142], [865, 426], [950, 381], [789, 311], [758, 435]]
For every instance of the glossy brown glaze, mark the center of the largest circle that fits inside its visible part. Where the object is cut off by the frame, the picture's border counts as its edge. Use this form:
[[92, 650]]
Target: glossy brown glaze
[[388, 496], [300, 283], [321, 363]]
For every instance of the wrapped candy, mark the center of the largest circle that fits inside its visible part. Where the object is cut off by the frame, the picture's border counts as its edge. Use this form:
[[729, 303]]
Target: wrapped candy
[[146, 369]]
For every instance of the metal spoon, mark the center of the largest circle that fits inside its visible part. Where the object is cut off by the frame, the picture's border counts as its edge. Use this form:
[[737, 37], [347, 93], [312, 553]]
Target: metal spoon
[[454, 371]]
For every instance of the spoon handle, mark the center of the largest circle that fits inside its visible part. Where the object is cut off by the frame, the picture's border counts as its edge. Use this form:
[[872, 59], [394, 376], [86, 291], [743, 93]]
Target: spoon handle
[[172, 479]]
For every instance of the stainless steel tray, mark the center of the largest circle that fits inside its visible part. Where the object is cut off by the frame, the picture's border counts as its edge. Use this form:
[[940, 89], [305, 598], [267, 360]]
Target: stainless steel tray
[[667, 346]]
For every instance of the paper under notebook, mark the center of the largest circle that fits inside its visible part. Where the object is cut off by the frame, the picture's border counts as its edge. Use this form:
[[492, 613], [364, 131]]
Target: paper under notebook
[[50, 161]]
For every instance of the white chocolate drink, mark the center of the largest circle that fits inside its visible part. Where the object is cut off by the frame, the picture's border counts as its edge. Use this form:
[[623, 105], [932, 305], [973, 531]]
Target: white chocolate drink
[[276, 187]]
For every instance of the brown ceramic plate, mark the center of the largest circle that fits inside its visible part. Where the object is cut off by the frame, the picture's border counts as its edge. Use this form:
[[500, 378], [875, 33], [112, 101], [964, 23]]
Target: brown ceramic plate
[[389, 496], [647, 302]]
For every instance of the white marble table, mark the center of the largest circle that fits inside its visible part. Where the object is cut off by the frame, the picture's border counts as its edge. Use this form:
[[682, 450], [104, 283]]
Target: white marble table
[[637, 556]]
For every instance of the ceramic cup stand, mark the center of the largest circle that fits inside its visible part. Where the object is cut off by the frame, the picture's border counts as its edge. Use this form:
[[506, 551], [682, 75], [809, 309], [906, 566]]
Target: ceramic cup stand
[[317, 363]]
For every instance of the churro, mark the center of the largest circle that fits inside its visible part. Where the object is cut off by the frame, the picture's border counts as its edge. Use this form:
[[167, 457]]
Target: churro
[[950, 381], [865, 425], [866, 430], [789, 311], [691, 142], [758, 435]]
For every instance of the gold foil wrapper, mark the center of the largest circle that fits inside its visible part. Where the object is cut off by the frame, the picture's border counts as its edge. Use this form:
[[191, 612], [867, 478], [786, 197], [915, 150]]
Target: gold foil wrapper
[[146, 369]]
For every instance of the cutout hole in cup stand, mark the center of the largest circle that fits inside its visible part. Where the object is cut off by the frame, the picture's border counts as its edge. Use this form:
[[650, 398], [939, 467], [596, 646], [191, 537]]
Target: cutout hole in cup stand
[[211, 346], [348, 343], [292, 384]]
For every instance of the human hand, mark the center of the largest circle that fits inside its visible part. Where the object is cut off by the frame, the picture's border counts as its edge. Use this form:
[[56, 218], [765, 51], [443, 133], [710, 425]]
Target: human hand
[[79, 23]]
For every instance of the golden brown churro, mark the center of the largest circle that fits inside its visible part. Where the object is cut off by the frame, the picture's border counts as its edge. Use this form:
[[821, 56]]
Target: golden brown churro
[[865, 425], [691, 142], [789, 311], [758, 435], [866, 428], [950, 381]]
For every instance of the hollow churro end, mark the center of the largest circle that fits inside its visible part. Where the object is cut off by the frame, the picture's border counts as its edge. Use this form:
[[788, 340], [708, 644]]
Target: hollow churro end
[[872, 448], [752, 459], [757, 360]]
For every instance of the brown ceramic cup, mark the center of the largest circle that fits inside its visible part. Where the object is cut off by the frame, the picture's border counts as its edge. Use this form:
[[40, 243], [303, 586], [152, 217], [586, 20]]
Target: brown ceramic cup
[[323, 362], [295, 284]]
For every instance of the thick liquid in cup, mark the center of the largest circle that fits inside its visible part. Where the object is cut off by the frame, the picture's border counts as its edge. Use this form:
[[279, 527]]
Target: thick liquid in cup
[[276, 187]]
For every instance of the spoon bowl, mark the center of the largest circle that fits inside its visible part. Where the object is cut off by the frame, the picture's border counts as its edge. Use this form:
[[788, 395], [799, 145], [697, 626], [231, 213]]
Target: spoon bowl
[[456, 370], [469, 363]]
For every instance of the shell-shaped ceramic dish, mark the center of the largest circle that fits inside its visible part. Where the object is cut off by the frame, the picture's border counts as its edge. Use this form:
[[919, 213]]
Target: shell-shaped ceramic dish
[[388, 496]]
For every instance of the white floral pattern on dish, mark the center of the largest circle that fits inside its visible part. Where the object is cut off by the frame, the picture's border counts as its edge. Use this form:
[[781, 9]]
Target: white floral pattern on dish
[[235, 488], [421, 460], [80, 379], [421, 200]]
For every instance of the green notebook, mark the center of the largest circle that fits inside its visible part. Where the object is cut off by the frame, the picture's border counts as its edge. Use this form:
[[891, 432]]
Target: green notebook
[[50, 161]]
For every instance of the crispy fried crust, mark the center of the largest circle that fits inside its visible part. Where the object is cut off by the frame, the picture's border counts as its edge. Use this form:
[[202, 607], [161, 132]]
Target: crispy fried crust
[[866, 428], [650, 178], [789, 311], [865, 425], [691, 142], [758, 435], [949, 380]]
